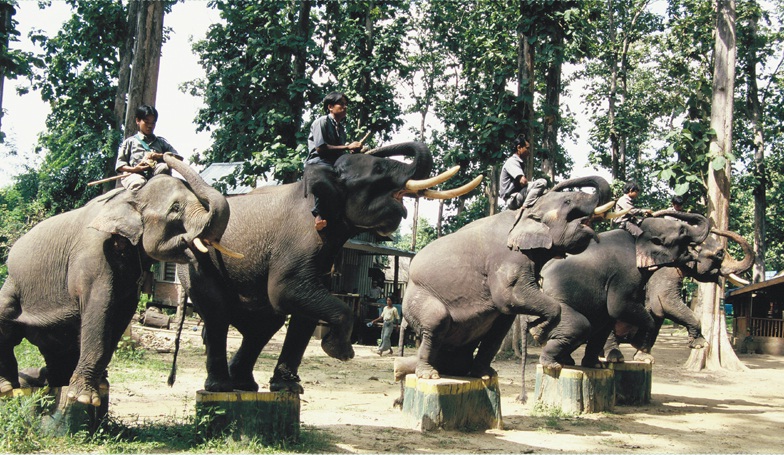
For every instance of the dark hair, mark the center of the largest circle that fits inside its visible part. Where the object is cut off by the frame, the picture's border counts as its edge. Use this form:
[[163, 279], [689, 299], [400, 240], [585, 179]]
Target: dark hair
[[677, 200], [520, 140], [630, 186], [334, 98], [144, 111]]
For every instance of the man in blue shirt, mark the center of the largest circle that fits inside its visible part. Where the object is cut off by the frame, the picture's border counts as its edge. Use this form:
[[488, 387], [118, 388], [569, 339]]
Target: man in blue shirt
[[326, 143]]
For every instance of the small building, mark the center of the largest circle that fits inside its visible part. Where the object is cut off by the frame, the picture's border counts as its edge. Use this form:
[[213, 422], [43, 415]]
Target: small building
[[757, 313]]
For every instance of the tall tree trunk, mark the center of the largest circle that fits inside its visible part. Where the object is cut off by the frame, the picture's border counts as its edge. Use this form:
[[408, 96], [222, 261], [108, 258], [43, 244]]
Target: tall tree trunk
[[552, 107], [525, 84], [614, 152], [146, 60], [719, 353], [760, 205], [7, 11]]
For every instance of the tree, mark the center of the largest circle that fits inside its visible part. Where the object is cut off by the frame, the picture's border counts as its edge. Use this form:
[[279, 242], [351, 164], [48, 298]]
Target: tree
[[13, 63], [719, 353]]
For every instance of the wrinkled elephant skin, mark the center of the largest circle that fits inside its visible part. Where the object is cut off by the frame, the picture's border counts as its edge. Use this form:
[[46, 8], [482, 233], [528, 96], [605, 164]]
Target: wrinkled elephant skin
[[285, 262], [72, 282], [466, 288]]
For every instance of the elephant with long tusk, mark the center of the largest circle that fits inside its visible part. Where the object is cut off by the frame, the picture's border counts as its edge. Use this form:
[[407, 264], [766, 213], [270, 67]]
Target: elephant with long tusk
[[73, 279], [285, 259]]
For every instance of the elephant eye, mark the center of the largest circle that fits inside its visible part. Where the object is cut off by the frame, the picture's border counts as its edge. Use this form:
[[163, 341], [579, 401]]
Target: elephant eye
[[656, 241], [175, 208]]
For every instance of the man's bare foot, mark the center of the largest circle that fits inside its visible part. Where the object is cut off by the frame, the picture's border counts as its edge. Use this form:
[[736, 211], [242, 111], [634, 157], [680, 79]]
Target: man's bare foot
[[321, 223]]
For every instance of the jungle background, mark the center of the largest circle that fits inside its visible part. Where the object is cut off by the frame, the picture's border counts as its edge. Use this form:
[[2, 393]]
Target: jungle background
[[475, 74]]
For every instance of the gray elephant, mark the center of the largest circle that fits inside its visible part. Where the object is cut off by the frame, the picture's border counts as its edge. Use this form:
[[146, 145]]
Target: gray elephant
[[662, 292], [73, 279], [466, 288], [286, 259], [603, 288]]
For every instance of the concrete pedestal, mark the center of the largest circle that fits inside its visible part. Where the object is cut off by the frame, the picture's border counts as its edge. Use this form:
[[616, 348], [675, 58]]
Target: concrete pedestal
[[575, 390], [270, 416], [632, 382]]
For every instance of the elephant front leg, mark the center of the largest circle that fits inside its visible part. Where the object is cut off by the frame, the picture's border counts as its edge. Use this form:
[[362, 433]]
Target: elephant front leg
[[571, 332], [256, 333], [10, 336], [298, 335]]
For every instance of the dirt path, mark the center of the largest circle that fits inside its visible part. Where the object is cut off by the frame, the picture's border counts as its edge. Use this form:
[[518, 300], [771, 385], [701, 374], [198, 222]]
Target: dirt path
[[691, 412]]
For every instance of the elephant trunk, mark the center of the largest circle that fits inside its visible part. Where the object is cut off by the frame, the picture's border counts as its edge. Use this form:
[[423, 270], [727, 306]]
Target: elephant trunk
[[699, 226], [731, 265], [603, 192], [217, 216], [422, 164]]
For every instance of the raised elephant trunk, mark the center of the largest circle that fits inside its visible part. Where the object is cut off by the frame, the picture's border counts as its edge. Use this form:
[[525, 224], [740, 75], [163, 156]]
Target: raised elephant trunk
[[698, 225], [603, 192], [731, 265], [216, 206], [422, 164]]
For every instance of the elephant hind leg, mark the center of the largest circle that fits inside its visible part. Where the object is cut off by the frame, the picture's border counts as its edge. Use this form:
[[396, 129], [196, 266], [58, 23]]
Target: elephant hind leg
[[434, 327], [10, 336], [573, 330]]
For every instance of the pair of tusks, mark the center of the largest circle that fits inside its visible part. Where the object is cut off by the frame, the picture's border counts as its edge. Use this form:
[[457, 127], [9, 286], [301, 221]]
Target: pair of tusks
[[421, 187], [603, 209], [200, 245]]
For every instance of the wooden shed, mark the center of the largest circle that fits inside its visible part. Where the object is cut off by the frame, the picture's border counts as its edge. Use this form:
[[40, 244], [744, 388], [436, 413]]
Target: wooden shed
[[757, 313]]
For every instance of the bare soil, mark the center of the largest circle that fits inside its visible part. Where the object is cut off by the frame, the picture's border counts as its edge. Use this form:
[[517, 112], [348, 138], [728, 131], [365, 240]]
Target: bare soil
[[691, 412]]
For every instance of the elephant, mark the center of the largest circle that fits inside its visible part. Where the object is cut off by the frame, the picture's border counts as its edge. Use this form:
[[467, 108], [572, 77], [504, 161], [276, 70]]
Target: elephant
[[286, 259], [465, 289], [603, 288], [662, 292], [74, 279]]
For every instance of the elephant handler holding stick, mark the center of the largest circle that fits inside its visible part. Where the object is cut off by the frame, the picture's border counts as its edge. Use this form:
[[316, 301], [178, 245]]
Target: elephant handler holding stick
[[326, 143], [141, 155], [516, 190]]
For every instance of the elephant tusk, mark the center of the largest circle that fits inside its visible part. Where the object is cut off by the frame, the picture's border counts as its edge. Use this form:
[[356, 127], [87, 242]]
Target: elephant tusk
[[200, 246], [418, 185], [613, 215], [455, 192], [604, 208], [226, 251], [737, 281]]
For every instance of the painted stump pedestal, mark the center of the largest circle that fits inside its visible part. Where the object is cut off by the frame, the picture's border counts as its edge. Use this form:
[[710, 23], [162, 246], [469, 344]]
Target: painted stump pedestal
[[452, 403], [63, 417], [632, 382], [269, 416], [575, 390]]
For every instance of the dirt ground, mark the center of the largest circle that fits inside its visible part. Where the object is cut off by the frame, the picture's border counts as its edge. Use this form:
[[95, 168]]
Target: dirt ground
[[705, 412]]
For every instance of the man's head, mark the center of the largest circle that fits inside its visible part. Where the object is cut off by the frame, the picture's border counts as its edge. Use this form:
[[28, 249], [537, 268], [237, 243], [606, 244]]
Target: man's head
[[146, 118], [389, 301], [632, 189], [335, 103], [677, 203], [521, 146]]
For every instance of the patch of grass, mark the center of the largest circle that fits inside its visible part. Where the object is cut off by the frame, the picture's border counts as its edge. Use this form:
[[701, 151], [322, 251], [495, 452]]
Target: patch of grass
[[552, 415], [28, 355], [22, 423]]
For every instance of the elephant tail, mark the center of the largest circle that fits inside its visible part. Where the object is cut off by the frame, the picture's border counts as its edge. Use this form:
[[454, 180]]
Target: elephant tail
[[181, 304], [523, 321]]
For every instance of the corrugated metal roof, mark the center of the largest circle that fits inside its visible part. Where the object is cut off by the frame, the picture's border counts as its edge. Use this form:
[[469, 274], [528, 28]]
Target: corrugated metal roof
[[216, 171]]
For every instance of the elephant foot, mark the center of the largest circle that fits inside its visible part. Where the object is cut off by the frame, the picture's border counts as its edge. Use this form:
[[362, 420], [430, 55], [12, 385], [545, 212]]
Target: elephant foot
[[285, 380], [6, 385], [549, 363], [246, 386], [398, 403], [425, 371], [644, 357], [482, 372], [591, 363], [33, 377], [214, 385], [336, 348], [614, 356], [698, 343], [81, 391]]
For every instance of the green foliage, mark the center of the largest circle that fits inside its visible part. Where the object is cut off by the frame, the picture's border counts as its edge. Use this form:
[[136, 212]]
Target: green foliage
[[19, 211], [77, 76], [426, 233], [28, 356], [22, 423]]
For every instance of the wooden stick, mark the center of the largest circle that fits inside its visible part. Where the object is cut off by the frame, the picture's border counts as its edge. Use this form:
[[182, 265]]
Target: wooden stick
[[108, 179], [364, 138]]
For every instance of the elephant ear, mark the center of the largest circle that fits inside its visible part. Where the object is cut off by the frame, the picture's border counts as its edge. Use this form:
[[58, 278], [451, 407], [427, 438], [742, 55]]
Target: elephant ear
[[119, 217], [529, 234], [654, 252]]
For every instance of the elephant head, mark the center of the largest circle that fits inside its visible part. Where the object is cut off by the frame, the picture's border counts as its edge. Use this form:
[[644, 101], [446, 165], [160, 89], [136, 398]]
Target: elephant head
[[668, 237], [560, 220], [710, 259], [170, 217], [375, 185]]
